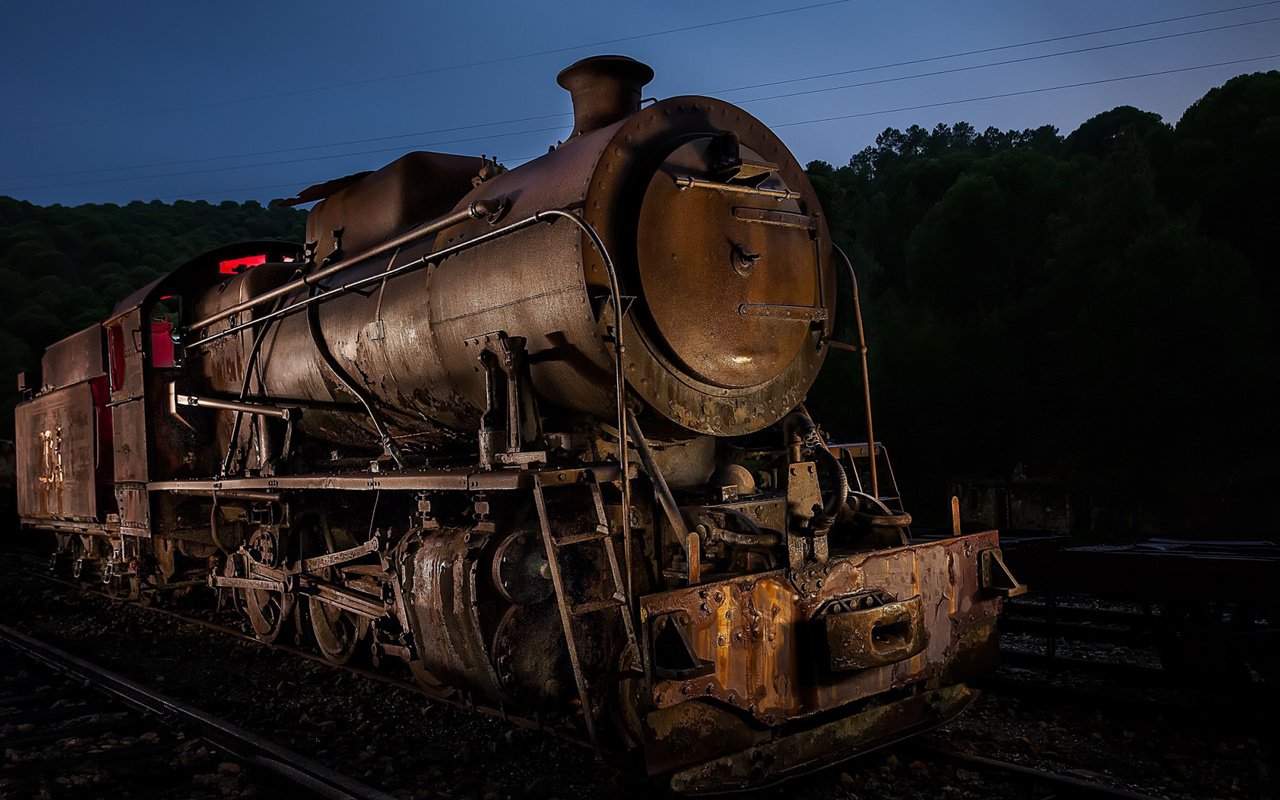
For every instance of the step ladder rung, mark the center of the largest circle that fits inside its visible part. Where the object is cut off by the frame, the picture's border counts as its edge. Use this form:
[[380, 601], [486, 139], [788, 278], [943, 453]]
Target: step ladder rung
[[601, 537], [595, 606], [580, 538]]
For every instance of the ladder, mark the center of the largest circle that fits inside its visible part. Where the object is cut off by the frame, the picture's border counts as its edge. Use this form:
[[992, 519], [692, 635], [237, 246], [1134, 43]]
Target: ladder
[[858, 459], [572, 609]]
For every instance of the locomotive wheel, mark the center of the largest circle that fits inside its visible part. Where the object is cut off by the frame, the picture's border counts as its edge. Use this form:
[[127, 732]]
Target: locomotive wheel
[[428, 680], [268, 611], [338, 632]]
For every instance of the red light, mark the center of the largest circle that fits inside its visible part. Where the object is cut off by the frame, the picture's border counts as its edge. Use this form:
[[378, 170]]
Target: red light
[[234, 266]]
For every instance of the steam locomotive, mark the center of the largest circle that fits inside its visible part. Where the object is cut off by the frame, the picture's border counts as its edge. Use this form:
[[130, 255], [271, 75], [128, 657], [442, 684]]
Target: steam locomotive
[[539, 434]]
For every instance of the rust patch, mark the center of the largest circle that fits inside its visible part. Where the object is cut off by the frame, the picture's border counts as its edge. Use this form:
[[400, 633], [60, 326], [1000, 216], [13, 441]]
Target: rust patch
[[779, 665]]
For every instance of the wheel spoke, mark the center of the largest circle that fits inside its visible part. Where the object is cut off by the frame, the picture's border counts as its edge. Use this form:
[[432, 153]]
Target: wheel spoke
[[267, 612]]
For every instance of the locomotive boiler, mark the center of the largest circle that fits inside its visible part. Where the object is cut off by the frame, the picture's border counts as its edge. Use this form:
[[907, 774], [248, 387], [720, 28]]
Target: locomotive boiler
[[538, 434]]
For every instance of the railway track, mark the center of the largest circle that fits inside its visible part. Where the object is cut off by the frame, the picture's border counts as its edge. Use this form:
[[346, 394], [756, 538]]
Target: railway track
[[1148, 645], [355, 669], [70, 728], [1046, 784], [987, 771]]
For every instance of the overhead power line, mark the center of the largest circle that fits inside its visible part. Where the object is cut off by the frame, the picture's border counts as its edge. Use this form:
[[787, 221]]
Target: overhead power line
[[861, 114], [436, 70], [330, 157], [1007, 62], [998, 48], [496, 123], [1027, 91], [297, 148], [508, 134]]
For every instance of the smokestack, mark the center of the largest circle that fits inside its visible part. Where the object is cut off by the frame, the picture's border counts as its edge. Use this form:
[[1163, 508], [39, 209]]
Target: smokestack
[[605, 89]]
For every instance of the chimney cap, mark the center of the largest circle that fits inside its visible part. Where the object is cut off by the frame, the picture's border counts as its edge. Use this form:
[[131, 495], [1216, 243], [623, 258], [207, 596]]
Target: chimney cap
[[623, 67]]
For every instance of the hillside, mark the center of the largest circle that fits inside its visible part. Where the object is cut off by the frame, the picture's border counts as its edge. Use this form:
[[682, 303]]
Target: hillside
[[1099, 310]]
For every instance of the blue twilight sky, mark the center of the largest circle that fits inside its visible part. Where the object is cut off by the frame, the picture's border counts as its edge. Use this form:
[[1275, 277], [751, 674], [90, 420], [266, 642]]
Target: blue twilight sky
[[112, 102]]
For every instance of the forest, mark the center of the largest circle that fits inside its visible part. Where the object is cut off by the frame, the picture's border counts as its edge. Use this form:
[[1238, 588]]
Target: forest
[[65, 268], [1096, 311]]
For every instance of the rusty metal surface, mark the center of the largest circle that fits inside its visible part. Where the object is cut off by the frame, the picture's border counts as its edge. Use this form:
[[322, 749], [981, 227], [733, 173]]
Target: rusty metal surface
[[441, 574], [613, 206], [76, 358], [861, 635], [134, 504], [745, 264], [128, 402], [58, 454], [410, 479], [754, 628], [389, 201], [775, 759], [605, 90], [426, 317]]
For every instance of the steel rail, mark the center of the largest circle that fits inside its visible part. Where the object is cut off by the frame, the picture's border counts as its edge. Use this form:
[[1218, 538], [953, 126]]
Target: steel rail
[[308, 775], [1120, 696], [1066, 785], [446, 698]]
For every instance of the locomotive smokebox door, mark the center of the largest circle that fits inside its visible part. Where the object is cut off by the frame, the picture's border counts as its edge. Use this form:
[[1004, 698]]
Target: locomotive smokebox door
[[755, 282]]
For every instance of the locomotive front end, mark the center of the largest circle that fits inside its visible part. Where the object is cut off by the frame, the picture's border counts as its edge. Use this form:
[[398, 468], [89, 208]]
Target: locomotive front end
[[767, 675]]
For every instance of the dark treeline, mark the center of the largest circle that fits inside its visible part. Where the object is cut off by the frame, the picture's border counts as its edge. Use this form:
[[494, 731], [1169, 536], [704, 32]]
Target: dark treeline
[[1098, 310], [63, 269]]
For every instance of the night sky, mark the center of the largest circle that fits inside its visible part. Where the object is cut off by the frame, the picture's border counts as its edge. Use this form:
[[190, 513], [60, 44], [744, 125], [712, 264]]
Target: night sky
[[113, 102]]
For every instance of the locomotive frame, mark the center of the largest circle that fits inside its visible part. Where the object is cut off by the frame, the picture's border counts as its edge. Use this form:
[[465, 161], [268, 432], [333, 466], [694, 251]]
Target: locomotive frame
[[768, 612]]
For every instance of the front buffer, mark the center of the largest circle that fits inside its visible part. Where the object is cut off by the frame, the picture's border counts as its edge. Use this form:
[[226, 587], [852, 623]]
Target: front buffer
[[761, 677]]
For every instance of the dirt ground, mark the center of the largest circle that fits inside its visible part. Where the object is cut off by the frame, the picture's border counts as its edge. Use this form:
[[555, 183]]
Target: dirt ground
[[1180, 745]]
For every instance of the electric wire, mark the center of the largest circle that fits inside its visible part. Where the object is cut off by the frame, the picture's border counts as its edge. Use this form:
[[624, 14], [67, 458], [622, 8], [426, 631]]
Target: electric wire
[[998, 48], [1007, 62], [1024, 92], [883, 111], [872, 68], [798, 93], [437, 70]]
